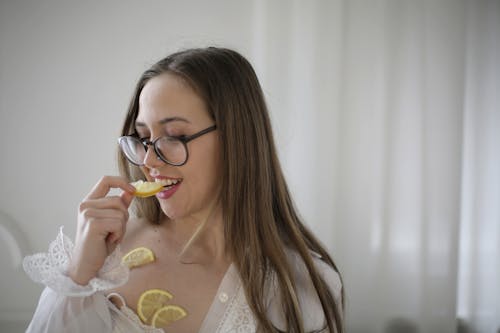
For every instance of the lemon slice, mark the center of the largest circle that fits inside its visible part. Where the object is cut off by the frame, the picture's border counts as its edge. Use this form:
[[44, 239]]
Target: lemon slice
[[138, 257], [167, 315], [146, 189], [150, 301]]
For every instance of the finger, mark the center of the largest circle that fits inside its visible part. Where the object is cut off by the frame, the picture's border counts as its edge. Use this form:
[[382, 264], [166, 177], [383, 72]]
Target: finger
[[126, 198], [115, 237], [113, 202], [108, 228], [96, 214], [106, 183]]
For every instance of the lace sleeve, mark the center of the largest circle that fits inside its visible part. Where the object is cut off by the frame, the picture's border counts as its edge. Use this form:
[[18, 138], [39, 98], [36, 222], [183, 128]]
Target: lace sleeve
[[50, 269]]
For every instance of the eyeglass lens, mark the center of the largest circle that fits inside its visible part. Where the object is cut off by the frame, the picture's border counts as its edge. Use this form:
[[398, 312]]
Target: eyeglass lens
[[169, 149]]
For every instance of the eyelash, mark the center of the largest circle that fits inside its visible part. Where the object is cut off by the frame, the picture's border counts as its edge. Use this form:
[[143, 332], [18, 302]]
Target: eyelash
[[147, 137]]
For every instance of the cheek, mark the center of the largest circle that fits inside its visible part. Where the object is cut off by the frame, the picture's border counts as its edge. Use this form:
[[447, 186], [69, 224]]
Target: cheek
[[207, 169], [204, 180]]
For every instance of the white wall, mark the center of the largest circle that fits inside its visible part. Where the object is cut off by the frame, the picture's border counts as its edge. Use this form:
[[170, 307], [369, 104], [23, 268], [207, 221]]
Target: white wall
[[67, 70]]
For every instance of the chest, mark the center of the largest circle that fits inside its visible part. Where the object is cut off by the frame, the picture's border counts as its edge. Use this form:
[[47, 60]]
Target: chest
[[186, 290]]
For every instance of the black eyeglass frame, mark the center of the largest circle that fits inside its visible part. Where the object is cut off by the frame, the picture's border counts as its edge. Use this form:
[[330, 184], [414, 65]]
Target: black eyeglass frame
[[183, 139]]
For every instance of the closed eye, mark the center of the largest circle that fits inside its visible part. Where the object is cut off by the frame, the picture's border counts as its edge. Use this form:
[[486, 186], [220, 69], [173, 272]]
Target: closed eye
[[140, 138]]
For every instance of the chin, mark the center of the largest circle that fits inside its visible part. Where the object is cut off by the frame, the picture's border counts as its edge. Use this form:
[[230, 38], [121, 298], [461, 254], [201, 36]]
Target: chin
[[171, 212]]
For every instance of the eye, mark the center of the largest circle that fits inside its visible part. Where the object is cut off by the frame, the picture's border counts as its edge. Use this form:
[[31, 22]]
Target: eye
[[177, 136], [141, 136], [174, 133], [176, 130]]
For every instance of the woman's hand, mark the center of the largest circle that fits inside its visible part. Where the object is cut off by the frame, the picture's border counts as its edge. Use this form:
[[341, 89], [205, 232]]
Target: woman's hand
[[101, 226]]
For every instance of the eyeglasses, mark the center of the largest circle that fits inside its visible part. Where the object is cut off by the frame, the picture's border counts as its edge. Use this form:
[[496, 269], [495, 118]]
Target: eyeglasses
[[170, 149]]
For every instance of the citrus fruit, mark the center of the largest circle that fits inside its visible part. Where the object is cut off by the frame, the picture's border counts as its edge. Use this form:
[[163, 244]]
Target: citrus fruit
[[167, 314], [146, 189], [150, 301], [138, 257]]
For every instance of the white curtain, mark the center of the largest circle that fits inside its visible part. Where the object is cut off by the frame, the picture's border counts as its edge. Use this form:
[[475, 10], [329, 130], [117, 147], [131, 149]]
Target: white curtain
[[387, 114], [479, 266]]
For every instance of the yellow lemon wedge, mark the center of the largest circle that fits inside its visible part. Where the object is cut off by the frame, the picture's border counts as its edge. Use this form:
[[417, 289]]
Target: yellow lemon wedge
[[146, 189], [138, 257], [150, 301], [167, 315]]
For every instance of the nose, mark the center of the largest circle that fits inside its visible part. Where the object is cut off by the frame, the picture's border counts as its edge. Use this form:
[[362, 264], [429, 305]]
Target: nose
[[151, 159]]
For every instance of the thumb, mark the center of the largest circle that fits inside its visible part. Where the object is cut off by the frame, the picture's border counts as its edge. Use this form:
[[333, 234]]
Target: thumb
[[127, 198]]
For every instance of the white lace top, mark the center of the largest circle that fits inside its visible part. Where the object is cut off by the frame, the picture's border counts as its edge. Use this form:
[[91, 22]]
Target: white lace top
[[65, 306]]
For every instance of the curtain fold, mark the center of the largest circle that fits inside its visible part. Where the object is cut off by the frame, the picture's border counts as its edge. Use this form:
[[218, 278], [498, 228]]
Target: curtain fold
[[387, 120], [479, 283]]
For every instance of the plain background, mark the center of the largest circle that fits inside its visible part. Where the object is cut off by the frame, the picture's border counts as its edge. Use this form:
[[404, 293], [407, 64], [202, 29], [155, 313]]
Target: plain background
[[385, 112], [68, 69]]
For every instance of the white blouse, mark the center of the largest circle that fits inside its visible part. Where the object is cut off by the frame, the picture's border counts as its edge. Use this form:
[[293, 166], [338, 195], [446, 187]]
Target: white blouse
[[65, 306]]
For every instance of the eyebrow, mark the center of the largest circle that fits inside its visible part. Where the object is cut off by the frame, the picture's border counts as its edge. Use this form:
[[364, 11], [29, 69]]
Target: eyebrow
[[164, 121]]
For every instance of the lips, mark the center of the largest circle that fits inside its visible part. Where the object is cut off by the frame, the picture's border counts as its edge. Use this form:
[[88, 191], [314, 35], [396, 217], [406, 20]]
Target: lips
[[171, 185]]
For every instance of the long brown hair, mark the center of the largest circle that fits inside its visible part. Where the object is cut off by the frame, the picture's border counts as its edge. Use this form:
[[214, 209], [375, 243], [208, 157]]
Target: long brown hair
[[260, 220]]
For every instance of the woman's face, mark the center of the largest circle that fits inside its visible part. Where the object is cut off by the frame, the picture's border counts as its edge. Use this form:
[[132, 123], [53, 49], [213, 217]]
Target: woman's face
[[168, 106]]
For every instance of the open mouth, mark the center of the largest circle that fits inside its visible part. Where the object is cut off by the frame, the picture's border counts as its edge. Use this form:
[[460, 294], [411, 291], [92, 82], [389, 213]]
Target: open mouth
[[168, 183]]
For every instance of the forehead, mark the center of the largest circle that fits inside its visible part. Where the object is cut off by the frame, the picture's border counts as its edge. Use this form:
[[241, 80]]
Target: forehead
[[169, 96]]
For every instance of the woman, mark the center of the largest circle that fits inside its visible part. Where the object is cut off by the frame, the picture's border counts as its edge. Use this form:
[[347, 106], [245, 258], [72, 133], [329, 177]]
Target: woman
[[225, 246]]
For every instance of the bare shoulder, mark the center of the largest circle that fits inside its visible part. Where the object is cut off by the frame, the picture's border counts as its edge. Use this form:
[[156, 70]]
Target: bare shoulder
[[136, 228]]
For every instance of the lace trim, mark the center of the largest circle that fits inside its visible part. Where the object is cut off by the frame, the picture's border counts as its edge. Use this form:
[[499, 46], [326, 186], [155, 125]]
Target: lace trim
[[238, 316], [50, 269]]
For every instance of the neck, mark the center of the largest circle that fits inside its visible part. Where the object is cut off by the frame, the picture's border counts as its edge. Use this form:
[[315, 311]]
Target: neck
[[199, 240]]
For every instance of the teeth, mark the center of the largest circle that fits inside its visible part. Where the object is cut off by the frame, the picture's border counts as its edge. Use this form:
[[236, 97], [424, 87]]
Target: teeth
[[167, 182]]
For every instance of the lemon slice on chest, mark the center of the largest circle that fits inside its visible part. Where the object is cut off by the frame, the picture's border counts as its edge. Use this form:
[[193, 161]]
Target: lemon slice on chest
[[146, 189], [138, 257], [151, 301], [167, 315]]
